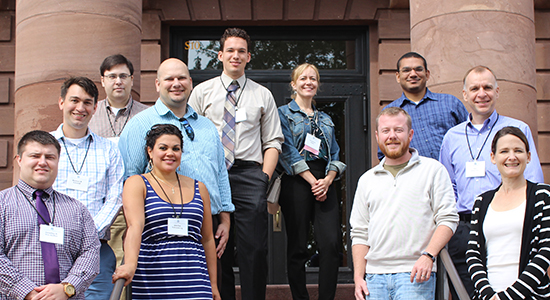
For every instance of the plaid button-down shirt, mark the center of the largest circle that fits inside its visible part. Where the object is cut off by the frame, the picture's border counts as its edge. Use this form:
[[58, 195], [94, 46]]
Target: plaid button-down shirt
[[21, 265], [107, 124], [103, 166]]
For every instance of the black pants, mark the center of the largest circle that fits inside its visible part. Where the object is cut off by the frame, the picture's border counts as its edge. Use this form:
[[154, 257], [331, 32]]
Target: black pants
[[457, 246], [248, 232], [299, 209]]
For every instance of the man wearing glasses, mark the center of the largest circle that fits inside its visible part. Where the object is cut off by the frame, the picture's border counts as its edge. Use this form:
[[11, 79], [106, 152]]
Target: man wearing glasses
[[432, 114], [202, 156], [112, 114]]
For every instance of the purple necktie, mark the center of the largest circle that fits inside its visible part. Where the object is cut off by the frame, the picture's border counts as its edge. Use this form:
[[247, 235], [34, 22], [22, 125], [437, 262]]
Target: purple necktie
[[228, 128], [49, 254]]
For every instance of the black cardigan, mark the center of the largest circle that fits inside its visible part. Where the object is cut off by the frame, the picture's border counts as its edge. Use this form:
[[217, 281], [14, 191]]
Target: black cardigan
[[535, 247]]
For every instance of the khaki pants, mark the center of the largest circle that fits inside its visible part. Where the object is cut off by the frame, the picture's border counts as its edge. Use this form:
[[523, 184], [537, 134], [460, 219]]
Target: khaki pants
[[118, 229]]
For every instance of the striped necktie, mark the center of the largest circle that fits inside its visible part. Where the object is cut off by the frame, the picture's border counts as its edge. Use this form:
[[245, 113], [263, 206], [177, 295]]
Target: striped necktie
[[49, 254], [228, 129]]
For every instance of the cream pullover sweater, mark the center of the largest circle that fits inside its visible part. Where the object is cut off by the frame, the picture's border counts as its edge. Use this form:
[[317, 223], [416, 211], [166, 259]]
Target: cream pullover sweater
[[397, 216]]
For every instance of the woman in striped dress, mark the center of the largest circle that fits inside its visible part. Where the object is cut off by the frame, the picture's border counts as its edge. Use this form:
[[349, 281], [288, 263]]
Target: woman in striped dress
[[509, 248], [169, 249]]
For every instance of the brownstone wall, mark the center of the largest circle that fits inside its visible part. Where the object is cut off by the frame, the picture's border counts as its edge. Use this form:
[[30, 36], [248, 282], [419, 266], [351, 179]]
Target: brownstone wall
[[388, 21], [393, 41], [542, 52], [7, 75]]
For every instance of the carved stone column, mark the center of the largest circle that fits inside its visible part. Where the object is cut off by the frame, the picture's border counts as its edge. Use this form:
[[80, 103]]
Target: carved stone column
[[457, 35], [59, 39]]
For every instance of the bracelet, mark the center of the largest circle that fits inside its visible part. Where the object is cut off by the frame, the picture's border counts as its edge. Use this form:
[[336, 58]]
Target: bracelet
[[428, 255]]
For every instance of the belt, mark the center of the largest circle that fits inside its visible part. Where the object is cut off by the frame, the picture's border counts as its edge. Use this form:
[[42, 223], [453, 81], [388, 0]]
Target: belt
[[465, 217], [244, 163]]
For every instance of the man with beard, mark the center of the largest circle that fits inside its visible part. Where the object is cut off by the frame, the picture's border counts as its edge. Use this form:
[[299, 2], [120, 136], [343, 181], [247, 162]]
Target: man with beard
[[403, 214]]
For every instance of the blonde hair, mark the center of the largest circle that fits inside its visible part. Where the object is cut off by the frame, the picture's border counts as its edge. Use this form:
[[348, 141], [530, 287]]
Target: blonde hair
[[298, 71]]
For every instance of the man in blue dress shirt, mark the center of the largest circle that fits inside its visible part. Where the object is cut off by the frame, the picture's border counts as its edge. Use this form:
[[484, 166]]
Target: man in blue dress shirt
[[466, 153], [432, 114], [202, 156]]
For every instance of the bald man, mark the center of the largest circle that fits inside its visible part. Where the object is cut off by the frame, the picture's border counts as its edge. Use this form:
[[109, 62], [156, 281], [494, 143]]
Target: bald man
[[202, 158]]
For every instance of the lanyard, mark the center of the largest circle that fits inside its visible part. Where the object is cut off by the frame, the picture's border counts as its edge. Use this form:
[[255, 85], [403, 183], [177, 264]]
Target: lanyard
[[242, 90], [486, 138], [127, 118], [71, 161], [170, 201], [33, 206]]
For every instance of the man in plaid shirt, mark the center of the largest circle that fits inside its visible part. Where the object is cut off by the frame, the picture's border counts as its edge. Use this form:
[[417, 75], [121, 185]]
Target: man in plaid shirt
[[90, 170]]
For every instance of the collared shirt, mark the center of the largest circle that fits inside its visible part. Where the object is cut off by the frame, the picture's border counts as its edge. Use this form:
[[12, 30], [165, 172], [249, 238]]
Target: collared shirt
[[431, 118], [261, 129], [202, 158], [103, 166], [21, 262], [455, 153], [106, 124]]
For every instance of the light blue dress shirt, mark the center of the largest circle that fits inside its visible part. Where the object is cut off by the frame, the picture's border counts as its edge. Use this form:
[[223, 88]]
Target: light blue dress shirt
[[103, 166], [455, 153], [202, 158]]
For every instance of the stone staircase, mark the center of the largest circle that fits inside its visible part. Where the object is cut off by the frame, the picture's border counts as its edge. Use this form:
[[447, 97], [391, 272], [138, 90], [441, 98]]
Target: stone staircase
[[282, 292]]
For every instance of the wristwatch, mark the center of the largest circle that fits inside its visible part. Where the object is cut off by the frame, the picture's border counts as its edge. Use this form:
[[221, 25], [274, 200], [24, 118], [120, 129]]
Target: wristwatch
[[428, 255], [68, 289]]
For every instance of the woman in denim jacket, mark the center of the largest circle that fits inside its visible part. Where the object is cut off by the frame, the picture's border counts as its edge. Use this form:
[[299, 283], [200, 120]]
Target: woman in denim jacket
[[310, 159]]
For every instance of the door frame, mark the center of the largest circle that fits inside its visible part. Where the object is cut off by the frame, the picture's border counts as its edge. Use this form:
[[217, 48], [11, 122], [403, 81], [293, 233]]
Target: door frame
[[351, 86]]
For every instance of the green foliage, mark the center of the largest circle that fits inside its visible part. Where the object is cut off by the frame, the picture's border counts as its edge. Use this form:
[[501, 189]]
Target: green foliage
[[280, 55]]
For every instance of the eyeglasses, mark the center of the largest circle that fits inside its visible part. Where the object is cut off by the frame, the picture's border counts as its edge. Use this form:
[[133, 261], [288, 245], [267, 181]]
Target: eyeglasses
[[113, 77], [407, 70], [188, 129]]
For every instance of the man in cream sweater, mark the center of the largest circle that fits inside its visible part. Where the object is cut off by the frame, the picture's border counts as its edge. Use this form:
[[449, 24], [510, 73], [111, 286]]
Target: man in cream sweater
[[403, 214]]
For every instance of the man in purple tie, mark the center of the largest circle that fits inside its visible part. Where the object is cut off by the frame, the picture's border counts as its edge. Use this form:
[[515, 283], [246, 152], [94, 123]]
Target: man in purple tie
[[246, 117], [49, 247]]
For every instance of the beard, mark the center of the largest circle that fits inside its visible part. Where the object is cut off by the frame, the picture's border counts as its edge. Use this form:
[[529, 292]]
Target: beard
[[394, 153]]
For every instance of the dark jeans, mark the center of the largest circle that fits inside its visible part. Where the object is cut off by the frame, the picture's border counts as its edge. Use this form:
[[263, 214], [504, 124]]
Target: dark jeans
[[249, 233], [457, 246], [299, 209]]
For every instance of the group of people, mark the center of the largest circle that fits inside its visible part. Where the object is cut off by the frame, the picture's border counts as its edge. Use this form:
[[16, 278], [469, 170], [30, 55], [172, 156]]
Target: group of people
[[173, 188], [471, 181], [191, 174]]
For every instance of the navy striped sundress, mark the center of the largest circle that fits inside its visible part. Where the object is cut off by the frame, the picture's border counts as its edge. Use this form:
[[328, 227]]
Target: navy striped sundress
[[169, 266]]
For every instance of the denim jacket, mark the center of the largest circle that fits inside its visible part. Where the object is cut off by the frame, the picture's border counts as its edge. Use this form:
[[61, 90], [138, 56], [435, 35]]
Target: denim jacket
[[295, 125]]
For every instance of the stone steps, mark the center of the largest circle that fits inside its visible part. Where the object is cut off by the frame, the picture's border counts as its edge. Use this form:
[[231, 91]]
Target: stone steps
[[282, 292]]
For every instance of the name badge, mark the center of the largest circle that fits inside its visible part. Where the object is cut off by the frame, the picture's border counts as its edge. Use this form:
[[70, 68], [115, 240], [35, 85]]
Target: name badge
[[178, 227], [51, 234], [312, 144], [240, 115], [475, 169], [78, 182], [114, 139]]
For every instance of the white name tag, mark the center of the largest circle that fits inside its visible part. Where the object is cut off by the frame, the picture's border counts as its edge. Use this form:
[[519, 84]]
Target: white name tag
[[240, 115], [114, 139], [78, 182], [51, 234], [475, 169], [178, 227], [312, 144]]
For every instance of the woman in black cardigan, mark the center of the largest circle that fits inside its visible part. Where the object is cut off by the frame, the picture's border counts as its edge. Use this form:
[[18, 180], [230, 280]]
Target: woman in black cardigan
[[509, 248]]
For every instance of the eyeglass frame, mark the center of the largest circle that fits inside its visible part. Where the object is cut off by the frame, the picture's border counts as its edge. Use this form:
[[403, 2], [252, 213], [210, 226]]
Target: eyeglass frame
[[407, 70], [113, 76]]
